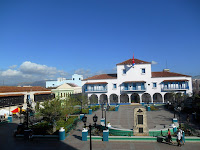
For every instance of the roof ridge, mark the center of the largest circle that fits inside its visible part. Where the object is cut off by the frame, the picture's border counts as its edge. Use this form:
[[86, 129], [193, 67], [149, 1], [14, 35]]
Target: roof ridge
[[102, 76], [130, 61], [167, 74]]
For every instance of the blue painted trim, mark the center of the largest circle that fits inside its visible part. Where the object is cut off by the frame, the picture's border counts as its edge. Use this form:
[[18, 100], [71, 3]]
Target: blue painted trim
[[124, 103]]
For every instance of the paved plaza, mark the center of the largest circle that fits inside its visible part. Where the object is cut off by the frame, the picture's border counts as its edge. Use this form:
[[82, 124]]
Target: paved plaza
[[123, 119]]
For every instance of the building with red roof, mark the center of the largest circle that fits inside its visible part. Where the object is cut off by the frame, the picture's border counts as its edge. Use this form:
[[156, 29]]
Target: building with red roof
[[13, 96], [136, 83]]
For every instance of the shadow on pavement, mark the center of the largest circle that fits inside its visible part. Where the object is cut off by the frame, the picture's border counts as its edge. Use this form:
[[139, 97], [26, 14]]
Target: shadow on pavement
[[78, 137], [8, 141]]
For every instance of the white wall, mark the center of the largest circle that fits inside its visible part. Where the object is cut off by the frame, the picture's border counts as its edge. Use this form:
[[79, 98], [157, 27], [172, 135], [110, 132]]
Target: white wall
[[134, 74]]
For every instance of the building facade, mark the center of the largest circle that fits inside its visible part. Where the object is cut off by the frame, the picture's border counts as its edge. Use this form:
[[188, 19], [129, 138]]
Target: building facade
[[66, 89], [136, 84], [76, 79], [11, 97]]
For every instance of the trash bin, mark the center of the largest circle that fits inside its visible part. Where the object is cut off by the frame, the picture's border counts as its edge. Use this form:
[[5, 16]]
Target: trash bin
[[90, 111], [62, 134], [10, 119]]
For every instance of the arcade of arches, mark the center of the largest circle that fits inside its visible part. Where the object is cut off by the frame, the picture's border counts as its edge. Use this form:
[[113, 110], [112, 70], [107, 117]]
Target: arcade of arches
[[133, 98]]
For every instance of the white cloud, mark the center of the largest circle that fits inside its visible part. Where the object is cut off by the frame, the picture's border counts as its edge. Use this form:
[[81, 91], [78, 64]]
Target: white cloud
[[154, 62], [32, 68], [28, 72], [85, 72], [11, 73], [13, 66], [63, 73]]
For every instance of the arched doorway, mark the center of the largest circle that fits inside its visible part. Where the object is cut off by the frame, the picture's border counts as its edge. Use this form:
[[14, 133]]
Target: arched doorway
[[103, 98], [93, 99], [135, 98], [113, 98], [124, 98], [146, 98], [157, 98], [168, 97]]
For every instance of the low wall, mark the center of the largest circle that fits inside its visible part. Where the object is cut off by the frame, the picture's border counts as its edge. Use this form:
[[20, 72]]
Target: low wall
[[120, 132], [162, 132], [140, 138]]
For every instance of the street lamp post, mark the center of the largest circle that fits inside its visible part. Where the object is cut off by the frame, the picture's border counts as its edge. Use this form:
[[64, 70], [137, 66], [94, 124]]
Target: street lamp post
[[102, 105], [20, 107], [174, 113], [81, 106], [179, 110], [84, 119], [9, 106], [27, 110], [105, 118]]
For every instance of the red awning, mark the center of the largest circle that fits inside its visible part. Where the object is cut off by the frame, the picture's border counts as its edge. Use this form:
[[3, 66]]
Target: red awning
[[15, 110]]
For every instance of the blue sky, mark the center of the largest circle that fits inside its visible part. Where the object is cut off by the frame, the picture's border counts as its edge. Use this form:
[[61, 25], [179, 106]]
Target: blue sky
[[44, 39]]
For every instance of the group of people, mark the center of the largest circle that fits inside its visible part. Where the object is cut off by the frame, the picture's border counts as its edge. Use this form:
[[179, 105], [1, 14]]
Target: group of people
[[179, 137]]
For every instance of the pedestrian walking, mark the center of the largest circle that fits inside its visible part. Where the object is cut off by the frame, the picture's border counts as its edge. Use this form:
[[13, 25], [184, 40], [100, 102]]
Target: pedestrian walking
[[181, 132], [179, 137], [169, 136]]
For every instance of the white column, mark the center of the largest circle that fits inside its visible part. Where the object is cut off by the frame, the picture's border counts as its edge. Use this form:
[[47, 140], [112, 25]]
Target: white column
[[108, 99], [129, 96], [151, 98], [140, 95], [118, 98]]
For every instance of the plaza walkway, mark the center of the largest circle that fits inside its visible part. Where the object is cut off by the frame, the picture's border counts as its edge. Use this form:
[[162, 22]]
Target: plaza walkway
[[123, 118]]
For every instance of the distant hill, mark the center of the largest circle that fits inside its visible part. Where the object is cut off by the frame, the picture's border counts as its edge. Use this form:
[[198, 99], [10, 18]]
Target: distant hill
[[36, 83], [196, 77]]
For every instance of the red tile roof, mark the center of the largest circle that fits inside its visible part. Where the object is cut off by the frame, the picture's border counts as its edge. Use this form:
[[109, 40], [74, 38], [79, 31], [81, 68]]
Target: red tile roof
[[96, 83], [130, 62], [167, 74], [102, 76], [5, 89], [42, 93], [135, 82], [175, 80], [7, 95]]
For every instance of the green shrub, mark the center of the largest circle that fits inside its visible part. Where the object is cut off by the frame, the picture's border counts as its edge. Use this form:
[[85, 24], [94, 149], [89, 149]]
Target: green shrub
[[42, 128], [111, 109], [153, 108], [94, 108], [76, 111], [70, 123], [85, 111]]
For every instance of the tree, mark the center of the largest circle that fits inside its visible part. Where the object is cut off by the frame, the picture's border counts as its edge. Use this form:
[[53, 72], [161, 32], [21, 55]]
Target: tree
[[79, 99], [52, 111]]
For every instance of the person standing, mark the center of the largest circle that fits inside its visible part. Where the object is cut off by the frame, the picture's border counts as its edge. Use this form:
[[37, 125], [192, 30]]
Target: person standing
[[169, 136], [179, 137], [181, 131]]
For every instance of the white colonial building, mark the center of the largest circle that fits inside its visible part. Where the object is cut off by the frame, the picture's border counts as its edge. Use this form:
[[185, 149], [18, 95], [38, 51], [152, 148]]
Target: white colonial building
[[76, 79], [136, 84]]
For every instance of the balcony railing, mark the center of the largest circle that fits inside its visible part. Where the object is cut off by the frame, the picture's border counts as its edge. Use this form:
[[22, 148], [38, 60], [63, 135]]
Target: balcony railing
[[134, 89], [168, 88], [96, 90]]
